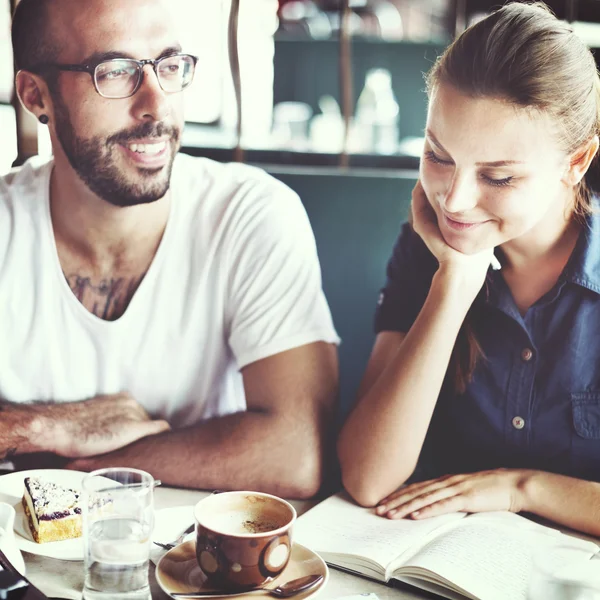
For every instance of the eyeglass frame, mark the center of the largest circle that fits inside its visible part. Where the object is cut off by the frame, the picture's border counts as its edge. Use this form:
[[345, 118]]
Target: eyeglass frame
[[90, 69]]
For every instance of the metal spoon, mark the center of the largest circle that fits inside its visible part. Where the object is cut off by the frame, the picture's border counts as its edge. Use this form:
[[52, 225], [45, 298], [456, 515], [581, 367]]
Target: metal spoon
[[285, 590], [178, 540]]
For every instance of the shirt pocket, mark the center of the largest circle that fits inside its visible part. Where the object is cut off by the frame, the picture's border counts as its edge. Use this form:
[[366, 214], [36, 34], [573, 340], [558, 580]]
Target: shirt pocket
[[585, 444]]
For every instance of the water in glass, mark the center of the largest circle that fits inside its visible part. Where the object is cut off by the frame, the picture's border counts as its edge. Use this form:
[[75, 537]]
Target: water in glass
[[118, 521], [118, 561]]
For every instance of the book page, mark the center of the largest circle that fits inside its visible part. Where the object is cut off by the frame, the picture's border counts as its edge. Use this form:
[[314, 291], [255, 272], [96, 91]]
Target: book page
[[490, 555], [338, 526]]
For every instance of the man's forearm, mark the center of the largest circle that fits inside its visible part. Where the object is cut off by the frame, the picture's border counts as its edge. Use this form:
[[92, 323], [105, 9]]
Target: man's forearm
[[572, 502], [249, 450], [241, 451], [19, 432]]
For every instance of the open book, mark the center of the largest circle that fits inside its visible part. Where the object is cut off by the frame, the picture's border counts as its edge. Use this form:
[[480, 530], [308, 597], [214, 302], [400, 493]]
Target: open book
[[485, 556]]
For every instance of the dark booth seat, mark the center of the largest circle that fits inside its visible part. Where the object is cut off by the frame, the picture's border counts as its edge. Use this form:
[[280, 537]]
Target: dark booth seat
[[355, 216]]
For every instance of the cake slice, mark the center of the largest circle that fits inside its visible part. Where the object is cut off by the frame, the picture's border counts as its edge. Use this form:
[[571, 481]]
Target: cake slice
[[54, 512]]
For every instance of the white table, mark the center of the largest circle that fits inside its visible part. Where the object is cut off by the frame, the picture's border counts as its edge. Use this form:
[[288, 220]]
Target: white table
[[65, 579]]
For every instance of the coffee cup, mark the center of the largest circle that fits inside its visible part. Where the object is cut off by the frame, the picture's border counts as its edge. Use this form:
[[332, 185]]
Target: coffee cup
[[243, 539]]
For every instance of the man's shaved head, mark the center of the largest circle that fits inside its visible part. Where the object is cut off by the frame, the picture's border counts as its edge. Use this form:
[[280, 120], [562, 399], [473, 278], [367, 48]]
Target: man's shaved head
[[43, 29], [32, 33]]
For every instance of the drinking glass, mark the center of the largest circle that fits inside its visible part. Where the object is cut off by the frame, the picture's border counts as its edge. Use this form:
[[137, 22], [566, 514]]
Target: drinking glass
[[564, 573], [118, 518]]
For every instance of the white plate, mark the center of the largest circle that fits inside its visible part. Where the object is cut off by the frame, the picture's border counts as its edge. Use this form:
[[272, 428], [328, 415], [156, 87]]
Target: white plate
[[168, 524], [11, 491]]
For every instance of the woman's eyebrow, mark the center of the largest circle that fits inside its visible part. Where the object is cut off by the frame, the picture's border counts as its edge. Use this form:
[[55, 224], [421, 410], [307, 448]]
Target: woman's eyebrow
[[495, 163], [435, 140], [500, 163]]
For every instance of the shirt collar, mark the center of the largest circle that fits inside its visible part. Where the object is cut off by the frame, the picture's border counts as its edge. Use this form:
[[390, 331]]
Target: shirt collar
[[583, 267]]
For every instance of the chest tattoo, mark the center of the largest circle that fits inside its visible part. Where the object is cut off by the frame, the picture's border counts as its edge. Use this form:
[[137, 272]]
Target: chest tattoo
[[108, 298]]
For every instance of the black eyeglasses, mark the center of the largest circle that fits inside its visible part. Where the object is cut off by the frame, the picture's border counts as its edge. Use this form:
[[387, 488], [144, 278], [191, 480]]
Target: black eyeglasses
[[122, 77]]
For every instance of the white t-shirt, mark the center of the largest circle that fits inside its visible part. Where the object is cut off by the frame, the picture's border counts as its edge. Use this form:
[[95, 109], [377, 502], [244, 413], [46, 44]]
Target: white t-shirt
[[235, 279]]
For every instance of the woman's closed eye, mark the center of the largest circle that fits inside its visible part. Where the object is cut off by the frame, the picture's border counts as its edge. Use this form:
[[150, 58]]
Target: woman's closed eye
[[434, 158], [497, 182], [431, 156]]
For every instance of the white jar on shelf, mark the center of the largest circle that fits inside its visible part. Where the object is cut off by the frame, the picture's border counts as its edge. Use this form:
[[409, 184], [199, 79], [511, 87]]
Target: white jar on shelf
[[378, 114]]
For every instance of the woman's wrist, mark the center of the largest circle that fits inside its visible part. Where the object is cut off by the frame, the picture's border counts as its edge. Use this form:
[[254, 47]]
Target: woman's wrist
[[456, 285], [527, 489]]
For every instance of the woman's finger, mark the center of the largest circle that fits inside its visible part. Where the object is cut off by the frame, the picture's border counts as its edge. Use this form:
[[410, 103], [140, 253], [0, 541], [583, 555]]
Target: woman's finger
[[404, 494], [420, 207], [406, 490], [420, 503], [443, 507], [425, 222], [427, 492], [414, 489]]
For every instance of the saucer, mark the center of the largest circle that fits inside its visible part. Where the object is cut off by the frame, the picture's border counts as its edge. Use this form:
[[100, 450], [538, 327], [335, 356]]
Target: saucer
[[178, 571]]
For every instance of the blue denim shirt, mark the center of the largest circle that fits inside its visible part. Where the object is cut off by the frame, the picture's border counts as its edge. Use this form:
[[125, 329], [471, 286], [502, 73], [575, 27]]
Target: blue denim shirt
[[534, 401]]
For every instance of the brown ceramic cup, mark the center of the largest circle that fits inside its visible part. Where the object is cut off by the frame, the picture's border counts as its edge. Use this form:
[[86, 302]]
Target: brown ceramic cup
[[243, 539]]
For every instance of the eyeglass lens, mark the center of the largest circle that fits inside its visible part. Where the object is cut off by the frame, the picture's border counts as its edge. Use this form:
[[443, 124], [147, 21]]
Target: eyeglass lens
[[120, 77]]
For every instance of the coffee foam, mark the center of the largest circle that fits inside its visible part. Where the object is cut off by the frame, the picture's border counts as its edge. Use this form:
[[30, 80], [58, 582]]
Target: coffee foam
[[244, 522], [244, 513]]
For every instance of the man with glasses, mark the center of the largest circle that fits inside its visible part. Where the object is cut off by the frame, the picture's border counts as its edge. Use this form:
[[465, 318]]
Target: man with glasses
[[121, 77], [158, 311]]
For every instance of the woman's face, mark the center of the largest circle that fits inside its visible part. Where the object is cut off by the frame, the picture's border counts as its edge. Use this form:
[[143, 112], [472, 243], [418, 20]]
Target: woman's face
[[492, 171]]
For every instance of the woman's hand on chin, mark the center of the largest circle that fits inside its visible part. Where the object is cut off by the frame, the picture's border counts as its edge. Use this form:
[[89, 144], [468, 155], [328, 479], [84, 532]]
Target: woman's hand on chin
[[466, 269]]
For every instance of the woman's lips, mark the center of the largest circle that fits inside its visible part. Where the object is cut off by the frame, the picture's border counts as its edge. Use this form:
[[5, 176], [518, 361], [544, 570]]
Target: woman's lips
[[460, 225]]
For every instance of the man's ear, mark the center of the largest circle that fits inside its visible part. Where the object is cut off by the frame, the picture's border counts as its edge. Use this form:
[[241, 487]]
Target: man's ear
[[580, 160], [33, 94]]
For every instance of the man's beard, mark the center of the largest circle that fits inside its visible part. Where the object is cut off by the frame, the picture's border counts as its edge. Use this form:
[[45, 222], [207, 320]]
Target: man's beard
[[92, 161]]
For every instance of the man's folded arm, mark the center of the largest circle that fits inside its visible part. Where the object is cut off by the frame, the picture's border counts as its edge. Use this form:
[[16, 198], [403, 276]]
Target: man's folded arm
[[18, 428], [279, 445], [74, 429]]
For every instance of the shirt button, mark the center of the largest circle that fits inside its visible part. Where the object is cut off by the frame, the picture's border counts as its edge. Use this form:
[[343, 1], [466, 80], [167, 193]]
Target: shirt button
[[518, 422], [526, 354]]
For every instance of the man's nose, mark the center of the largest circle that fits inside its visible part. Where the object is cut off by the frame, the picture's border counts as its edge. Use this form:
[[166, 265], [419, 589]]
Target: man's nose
[[461, 194], [151, 100]]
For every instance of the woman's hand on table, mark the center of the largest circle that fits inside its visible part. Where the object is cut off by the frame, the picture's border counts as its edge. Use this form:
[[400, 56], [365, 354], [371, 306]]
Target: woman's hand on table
[[499, 489]]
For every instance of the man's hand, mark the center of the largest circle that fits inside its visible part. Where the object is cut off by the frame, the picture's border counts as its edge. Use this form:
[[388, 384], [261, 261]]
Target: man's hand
[[96, 426], [484, 491]]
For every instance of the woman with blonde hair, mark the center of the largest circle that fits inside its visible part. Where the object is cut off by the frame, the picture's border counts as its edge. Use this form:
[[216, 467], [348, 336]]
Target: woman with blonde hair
[[486, 365]]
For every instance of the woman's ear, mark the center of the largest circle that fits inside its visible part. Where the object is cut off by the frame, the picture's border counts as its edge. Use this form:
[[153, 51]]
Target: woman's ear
[[33, 94], [580, 161]]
